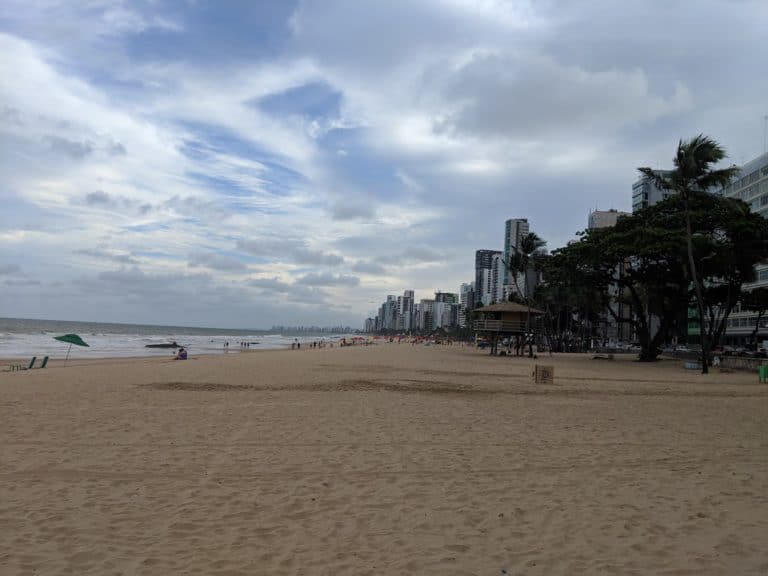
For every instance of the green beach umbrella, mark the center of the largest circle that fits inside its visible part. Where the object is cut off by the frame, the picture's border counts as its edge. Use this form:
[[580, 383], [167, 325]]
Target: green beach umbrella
[[71, 339]]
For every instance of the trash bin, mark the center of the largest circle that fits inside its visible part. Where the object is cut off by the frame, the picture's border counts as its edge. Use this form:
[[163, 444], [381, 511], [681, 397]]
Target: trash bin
[[763, 373]]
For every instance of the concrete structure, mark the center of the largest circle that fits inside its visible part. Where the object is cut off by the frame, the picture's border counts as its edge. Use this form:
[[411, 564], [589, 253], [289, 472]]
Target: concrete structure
[[751, 186], [483, 267], [425, 315], [604, 218], [645, 193], [514, 230], [466, 302], [405, 311], [493, 281]]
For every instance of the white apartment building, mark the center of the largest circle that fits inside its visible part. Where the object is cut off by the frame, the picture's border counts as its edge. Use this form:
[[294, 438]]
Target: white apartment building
[[751, 186]]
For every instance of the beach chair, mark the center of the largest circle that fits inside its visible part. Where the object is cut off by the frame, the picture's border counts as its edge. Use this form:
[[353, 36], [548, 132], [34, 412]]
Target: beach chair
[[15, 367], [45, 362]]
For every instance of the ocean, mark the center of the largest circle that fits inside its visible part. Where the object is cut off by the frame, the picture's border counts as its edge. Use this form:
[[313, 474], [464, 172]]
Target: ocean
[[21, 337]]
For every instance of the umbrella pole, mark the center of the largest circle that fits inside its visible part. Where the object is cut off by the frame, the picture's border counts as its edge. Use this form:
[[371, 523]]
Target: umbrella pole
[[68, 349]]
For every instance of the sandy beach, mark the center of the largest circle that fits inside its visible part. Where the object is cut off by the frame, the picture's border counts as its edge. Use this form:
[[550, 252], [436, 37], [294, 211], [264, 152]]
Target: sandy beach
[[390, 459]]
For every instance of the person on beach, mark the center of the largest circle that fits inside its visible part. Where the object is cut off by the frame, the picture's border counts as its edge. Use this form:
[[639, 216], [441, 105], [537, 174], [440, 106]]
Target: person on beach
[[181, 355]]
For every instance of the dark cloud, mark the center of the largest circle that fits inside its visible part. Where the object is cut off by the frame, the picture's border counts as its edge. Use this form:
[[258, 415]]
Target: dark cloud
[[98, 198], [74, 149], [352, 209], [115, 202], [11, 115], [9, 269], [216, 262], [117, 149], [270, 284], [113, 256], [21, 282]]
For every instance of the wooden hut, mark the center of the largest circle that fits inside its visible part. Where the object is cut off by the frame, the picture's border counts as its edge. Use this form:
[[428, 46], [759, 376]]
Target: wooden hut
[[505, 320]]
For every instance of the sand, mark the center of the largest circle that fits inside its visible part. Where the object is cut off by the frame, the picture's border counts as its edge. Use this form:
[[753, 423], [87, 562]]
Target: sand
[[388, 459]]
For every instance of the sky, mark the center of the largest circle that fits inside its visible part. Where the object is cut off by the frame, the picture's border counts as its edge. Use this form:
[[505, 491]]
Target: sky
[[245, 164]]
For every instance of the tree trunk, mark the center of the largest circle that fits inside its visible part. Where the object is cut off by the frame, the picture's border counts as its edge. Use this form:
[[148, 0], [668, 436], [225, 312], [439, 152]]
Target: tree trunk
[[757, 329], [696, 287], [528, 319]]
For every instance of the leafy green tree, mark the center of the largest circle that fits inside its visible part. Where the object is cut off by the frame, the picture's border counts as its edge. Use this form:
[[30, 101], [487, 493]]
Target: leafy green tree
[[693, 174], [729, 239], [644, 258], [571, 297], [641, 258]]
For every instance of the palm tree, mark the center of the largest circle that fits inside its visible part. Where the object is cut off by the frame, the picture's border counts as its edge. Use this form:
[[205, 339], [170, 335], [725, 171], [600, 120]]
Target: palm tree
[[693, 174], [525, 258]]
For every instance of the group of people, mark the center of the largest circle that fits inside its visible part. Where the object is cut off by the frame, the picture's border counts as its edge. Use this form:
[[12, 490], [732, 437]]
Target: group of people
[[296, 345], [243, 345], [181, 354]]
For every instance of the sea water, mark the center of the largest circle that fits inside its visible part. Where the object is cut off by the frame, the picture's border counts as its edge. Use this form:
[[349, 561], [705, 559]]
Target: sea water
[[20, 337]]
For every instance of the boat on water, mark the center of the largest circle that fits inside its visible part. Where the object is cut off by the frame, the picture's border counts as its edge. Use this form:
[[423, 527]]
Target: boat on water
[[163, 345]]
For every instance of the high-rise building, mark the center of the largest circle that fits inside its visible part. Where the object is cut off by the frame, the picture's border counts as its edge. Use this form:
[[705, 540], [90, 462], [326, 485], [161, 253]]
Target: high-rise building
[[466, 302], [388, 312], [483, 265], [604, 218], [751, 186], [426, 315], [514, 230], [645, 193], [405, 310], [445, 310]]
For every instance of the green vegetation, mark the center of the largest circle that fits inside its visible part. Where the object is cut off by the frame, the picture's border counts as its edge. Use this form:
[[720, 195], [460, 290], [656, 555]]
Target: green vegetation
[[643, 261]]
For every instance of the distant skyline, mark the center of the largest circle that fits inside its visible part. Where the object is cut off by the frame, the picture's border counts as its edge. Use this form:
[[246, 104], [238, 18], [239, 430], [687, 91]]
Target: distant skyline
[[246, 164]]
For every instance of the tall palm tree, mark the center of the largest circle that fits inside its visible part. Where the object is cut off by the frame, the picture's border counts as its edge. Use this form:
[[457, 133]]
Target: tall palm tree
[[694, 174], [526, 258]]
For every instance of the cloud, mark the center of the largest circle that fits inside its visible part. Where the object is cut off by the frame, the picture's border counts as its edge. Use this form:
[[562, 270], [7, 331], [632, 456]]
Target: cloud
[[414, 254], [216, 262], [270, 284], [109, 255], [364, 267], [21, 282], [97, 198], [352, 209], [327, 279], [532, 96], [116, 202], [9, 269], [295, 293], [389, 140], [73, 149], [292, 249]]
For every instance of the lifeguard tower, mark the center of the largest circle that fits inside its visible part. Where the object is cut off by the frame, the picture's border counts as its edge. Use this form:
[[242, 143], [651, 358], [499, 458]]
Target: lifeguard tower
[[497, 322]]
